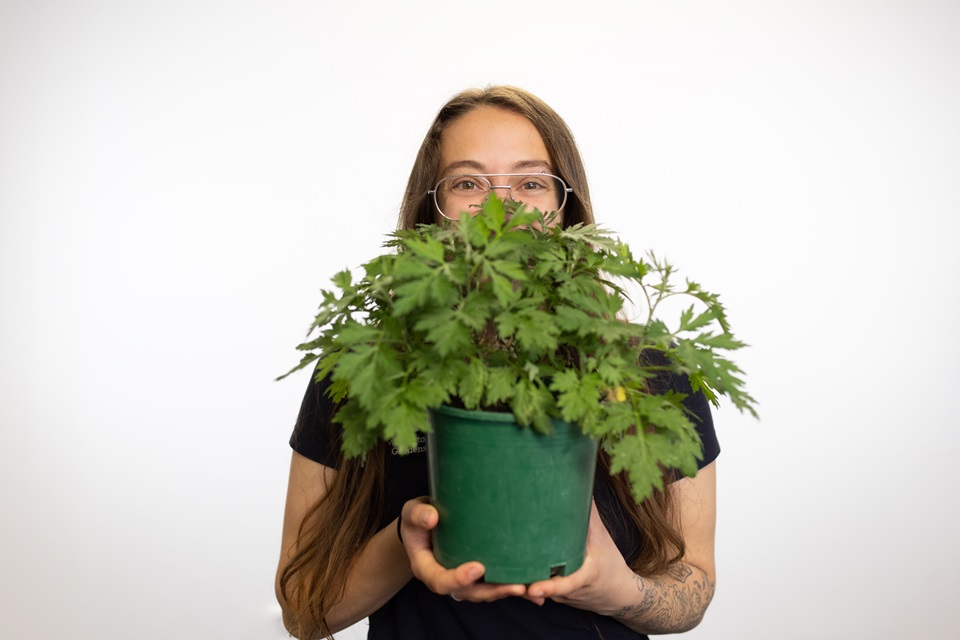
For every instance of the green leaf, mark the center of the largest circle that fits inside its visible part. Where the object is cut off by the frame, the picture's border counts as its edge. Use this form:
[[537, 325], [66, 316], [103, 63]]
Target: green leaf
[[422, 392], [535, 332], [411, 295], [721, 341], [530, 405], [354, 333], [473, 384], [442, 292], [304, 361], [367, 368], [328, 361], [506, 323], [664, 438], [338, 390], [476, 310], [342, 279], [407, 268], [576, 397], [501, 385], [502, 287], [573, 320], [494, 212], [445, 331], [522, 219], [511, 270], [613, 369], [426, 247], [357, 438], [473, 230], [443, 375], [659, 335], [402, 422], [690, 323]]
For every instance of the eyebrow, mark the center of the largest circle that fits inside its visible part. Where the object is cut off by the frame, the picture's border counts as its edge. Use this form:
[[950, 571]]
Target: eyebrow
[[519, 166]]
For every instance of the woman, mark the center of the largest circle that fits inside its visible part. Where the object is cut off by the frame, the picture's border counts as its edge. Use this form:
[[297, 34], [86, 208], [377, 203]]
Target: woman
[[356, 537]]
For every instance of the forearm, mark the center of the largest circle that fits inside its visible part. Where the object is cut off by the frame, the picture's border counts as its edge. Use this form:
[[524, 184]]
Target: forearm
[[378, 573], [669, 603]]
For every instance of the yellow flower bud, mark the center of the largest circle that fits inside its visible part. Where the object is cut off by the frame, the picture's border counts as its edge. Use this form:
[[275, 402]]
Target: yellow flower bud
[[617, 395]]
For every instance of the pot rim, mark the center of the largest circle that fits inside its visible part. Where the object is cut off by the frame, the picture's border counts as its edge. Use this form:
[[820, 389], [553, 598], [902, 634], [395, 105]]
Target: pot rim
[[475, 414]]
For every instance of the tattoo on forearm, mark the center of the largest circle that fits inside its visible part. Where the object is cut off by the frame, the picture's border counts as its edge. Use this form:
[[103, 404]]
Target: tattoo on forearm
[[673, 602]]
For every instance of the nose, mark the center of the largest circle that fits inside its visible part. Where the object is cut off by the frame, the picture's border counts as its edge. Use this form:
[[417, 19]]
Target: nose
[[509, 189]]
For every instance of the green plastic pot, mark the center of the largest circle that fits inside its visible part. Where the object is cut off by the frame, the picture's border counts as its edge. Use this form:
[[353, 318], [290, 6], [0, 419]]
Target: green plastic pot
[[515, 500]]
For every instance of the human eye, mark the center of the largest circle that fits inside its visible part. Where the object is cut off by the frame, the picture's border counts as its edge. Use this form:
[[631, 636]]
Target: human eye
[[465, 184], [533, 184]]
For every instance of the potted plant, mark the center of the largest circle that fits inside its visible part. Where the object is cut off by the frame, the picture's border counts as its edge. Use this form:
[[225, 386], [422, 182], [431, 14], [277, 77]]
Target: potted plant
[[513, 325]]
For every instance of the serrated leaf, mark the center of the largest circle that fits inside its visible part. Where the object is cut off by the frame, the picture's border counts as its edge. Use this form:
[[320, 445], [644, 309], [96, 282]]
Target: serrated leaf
[[342, 279], [502, 288], [426, 247], [473, 384], [402, 422], [690, 323], [443, 292], [501, 384], [511, 270], [476, 309], [576, 397], [445, 331], [406, 269], [357, 438], [410, 296], [535, 332], [719, 341], [522, 219], [354, 333], [425, 392], [494, 211], [643, 453], [304, 361], [573, 320], [367, 368], [530, 405]]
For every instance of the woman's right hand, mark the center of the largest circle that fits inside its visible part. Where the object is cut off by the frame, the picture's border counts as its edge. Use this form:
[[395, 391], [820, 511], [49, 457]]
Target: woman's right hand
[[418, 518]]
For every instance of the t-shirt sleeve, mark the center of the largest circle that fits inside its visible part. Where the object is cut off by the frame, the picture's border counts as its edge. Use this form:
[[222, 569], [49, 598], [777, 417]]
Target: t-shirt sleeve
[[314, 434]]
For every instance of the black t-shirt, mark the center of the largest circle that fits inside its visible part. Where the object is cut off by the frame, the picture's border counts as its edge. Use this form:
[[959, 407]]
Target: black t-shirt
[[415, 612]]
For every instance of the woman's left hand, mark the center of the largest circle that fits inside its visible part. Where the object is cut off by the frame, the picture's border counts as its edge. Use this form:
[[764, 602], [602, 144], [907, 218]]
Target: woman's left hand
[[603, 573], [670, 602]]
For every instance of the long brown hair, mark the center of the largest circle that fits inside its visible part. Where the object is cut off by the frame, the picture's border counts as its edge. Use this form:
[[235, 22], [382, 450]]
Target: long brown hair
[[339, 526]]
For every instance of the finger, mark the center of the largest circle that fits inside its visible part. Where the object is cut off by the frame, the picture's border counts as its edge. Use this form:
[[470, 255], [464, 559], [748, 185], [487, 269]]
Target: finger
[[561, 586], [424, 514], [418, 512], [416, 522], [419, 517], [482, 592], [535, 600], [460, 581], [440, 579]]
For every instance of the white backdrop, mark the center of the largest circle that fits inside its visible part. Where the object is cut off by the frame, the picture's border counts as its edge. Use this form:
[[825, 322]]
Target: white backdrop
[[179, 179]]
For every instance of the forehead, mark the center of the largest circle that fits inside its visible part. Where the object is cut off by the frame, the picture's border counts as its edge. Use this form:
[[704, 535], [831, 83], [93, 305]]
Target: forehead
[[493, 139]]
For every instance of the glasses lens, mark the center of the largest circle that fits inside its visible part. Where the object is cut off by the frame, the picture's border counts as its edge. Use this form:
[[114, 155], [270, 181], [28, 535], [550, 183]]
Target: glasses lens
[[455, 194], [538, 191], [461, 193]]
